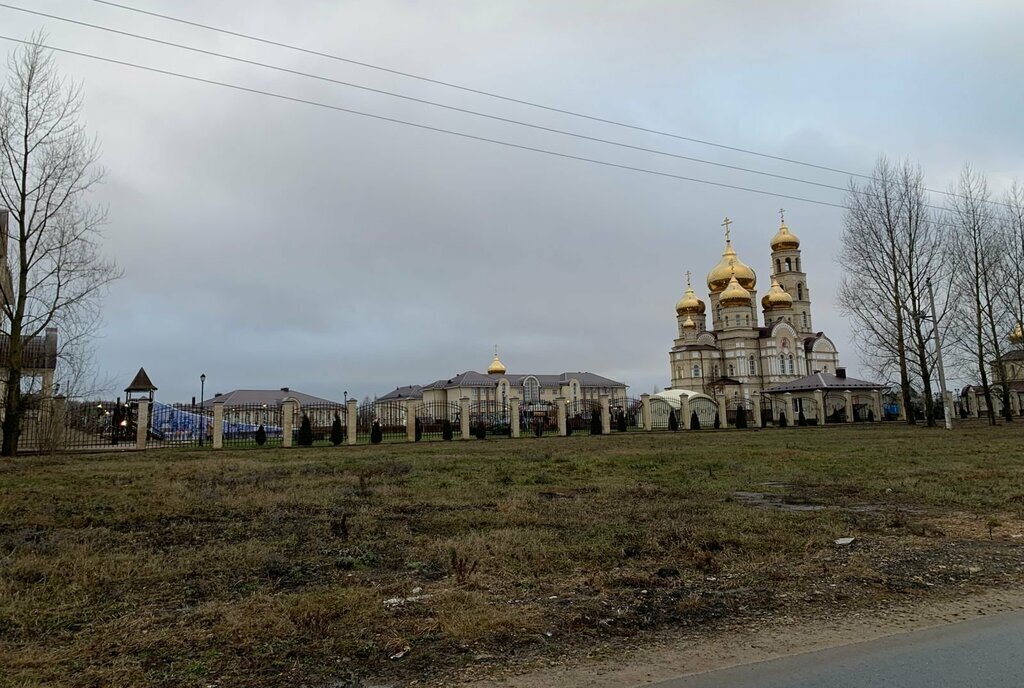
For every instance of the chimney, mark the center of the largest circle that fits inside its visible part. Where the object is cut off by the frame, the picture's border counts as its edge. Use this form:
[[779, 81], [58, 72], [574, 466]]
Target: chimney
[[285, 389], [218, 394], [841, 373]]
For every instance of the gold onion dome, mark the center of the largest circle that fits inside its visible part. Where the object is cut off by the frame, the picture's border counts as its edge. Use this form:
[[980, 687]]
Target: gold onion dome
[[689, 304], [730, 266], [734, 294], [689, 324], [1017, 335], [777, 297], [496, 367], [785, 240]]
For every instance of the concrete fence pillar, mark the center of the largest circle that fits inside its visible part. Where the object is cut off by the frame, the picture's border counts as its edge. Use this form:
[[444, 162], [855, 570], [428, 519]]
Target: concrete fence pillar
[[142, 424], [819, 400], [513, 414], [876, 401], [755, 402], [606, 414], [410, 419], [723, 412], [848, 399], [58, 421], [287, 421], [560, 408], [351, 418], [645, 406], [787, 408], [464, 418], [684, 411], [218, 425]]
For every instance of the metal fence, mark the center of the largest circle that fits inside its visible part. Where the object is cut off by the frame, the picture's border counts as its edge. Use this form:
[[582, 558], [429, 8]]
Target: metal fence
[[579, 416], [438, 420], [384, 417], [243, 423], [322, 419], [179, 425], [542, 414], [490, 419], [627, 414]]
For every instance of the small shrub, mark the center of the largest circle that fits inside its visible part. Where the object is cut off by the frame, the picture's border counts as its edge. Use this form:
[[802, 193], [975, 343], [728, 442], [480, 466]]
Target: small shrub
[[462, 566], [337, 432], [481, 431], [694, 421], [741, 418], [782, 420], [595, 421], [447, 432], [305, 438], [801, 419], [568, 426], [538, 428], [871, 415], [261, 435], [718, 421], [673, 422], [621, 424], [419, 430], [376, 434]]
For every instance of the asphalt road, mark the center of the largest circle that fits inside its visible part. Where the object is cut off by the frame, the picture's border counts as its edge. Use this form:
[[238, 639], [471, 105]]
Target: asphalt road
[[986, 652]]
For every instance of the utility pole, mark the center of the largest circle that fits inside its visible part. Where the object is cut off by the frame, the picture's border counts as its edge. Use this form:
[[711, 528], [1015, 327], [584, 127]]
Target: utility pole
[[947, 402]]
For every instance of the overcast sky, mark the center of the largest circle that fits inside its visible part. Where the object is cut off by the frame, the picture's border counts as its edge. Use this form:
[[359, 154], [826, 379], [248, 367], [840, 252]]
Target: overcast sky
[[270, 243]]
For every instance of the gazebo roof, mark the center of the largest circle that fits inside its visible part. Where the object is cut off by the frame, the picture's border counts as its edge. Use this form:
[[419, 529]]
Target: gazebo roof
[[141, 383], [822, 381]]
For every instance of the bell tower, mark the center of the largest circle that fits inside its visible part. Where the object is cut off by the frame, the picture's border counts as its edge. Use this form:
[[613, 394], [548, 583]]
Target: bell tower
[[789, 273]]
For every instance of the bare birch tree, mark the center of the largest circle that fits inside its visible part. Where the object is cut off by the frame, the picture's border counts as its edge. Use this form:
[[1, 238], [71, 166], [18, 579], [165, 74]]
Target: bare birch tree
[[1012, 226], [891, 247], [980, 268], [53, 272]]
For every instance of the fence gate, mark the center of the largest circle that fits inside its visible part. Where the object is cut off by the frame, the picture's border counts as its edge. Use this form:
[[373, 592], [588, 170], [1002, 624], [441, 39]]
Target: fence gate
[[387, 416], [578, 415], [435, 416], [660, 412], [321, 420], [543, 413], [738, 406], [807, 407], [490, 418], [176, 425], [767, 411], [242, 423], [706, 410], [627, 414]]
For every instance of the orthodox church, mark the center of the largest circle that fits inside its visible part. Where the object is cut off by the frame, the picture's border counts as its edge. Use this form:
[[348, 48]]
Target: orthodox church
[[742, 353]]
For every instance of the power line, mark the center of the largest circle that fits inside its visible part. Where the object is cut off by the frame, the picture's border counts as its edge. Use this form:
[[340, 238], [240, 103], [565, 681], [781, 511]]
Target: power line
[[426, 127], [510, 99], [423, 101]]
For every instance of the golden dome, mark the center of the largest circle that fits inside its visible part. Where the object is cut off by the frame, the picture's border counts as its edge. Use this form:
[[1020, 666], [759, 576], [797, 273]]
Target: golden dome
[[777, 297], [734, 294], [689, 304], [727, 268], [689, 324], [1017, 335], [496, 367], [785, 240]]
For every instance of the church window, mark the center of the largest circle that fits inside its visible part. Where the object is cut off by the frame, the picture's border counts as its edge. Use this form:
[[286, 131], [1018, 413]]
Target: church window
[[782, 363], [789, 265], [747, 319], [753, 366], [727, 321], [531, 390], [825, 368], [732, 370], [716, 370], [798, 264], [778, 266], [791, 369], [696, 371], [800, 291], [805, 319]]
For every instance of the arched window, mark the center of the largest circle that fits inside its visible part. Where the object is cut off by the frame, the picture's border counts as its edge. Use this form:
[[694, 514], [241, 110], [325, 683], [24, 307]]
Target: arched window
[[825, 368], [716, 370], [753, 366], [778, 266], [782, 364], [798, 264], [727, 321], [789, 265], [800, 291], [805, 319], [531, 390], [746, 319], [732, 370], [696, 370], [791, 369]]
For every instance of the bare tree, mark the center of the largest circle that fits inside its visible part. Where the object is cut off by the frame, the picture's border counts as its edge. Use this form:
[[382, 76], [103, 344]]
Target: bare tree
[[54, 273], [981, 267], [890, 249], [1012, 226]]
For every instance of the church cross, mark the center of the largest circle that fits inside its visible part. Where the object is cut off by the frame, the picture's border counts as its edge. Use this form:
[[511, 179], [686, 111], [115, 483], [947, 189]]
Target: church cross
[[688, 278], [726, 224], [782, 215]]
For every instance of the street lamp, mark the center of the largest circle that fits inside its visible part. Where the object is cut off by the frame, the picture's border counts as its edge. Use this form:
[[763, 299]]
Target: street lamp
[[202, 399]]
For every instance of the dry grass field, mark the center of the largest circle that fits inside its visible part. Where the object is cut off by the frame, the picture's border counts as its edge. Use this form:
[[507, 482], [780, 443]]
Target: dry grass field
[[314, 567]]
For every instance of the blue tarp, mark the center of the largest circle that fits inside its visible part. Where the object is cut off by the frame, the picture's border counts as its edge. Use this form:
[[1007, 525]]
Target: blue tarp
[[177, 424]]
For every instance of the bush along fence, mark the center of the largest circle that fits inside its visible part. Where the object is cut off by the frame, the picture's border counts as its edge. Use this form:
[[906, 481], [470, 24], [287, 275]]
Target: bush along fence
[[64, 426]]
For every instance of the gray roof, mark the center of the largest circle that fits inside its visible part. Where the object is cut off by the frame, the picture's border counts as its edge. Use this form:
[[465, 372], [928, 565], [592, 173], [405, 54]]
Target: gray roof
[[1014, 355], [407, 392], [270, 397], [471, 378], [824, 382]]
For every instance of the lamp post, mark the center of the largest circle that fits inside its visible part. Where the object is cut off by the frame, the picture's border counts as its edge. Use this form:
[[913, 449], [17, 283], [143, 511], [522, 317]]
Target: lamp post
[[202, 399]]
